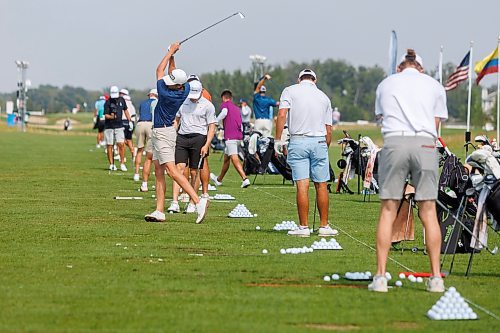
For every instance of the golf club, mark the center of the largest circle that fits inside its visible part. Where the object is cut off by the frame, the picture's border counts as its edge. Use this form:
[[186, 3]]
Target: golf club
[[198, 170], [213, 25]]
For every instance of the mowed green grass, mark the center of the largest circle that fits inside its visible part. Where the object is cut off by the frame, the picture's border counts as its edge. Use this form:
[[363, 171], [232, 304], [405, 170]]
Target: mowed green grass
[[73, 259]]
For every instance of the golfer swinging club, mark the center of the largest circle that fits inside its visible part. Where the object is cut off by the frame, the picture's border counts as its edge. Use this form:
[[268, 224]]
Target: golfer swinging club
[[412, 105], [172, 92]]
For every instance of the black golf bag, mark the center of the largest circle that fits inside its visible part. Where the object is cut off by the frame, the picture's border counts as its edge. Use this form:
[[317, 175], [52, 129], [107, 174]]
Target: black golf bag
[[257, 164]]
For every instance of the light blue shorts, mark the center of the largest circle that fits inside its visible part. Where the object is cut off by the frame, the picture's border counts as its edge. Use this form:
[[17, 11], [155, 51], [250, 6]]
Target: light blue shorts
[[308, 158]]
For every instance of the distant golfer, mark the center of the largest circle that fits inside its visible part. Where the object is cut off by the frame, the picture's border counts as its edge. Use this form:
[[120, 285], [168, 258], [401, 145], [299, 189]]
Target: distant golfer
[[308, 114], [412, 105], [246, 115], [143, 133], [114, 107], [233, 134], [129, 127], [172, 92], [263, 108], [196, 121], [99, 120]]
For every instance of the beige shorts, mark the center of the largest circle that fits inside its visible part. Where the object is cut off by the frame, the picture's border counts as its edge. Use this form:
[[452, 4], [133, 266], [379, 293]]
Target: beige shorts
[[232, 147], [163, 140], [264, 126], [404, 156], [143, 133], [114, 134]]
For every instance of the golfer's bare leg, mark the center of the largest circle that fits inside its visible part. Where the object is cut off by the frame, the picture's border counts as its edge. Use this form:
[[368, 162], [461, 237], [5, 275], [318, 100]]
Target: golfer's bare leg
[[322, 199], [427, 214], [175, 187], [237, 165], [130, 145], [195, 181], [388, 212], [303, 201], [160, 186], [110, 154], [225, 167], [121, 152], [182, 181], [138, 159], [205, 176], [147, 167]]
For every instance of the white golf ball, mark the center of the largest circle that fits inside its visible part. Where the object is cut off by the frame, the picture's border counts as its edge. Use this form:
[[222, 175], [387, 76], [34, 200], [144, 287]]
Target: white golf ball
[[264, 251], [398, 283], [283, 251], [335, 277], [402, 276], [257, 228], [326, 278], [419, 279], [452, 289]]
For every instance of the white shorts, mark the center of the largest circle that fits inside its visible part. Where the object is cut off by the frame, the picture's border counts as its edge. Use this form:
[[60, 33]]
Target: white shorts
[[232, 147], [112, 134], [143, 133], [264, 126], [163, 140]]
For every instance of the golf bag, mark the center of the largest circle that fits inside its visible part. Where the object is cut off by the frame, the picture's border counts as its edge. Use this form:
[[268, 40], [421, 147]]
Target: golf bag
[[257, 153], [218, 143], [279, 162]]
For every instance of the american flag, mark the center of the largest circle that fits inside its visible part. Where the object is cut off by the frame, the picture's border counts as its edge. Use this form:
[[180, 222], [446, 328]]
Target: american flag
[[461, 74]]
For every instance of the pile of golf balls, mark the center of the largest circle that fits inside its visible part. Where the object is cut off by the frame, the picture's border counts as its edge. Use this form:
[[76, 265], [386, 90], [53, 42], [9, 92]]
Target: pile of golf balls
[[358, 275], [328, 278], [451, 306], [297, 250], [223, 197], [285, 225], [323, 244], [241, 211]]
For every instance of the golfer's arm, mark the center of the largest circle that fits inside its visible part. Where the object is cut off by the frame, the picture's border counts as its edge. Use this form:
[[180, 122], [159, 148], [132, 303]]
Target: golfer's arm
[[127, 114], [168, 59], [260, 84], [280, 122], [210, 134], [328, 134], [438, 122]]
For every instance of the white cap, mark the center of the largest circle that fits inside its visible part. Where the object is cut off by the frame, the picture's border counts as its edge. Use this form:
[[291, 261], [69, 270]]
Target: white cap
[[124, 92], [263, 89], [153, 91], [195, 89], [307, 72], [114, 92], [417, 59], [193, 77], [178, 76]]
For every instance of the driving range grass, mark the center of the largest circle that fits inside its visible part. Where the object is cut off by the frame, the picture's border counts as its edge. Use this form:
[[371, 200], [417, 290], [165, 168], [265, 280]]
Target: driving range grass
[[73, 259]]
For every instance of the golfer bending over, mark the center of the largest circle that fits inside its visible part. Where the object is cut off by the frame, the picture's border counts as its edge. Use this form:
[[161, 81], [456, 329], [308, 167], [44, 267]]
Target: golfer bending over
[[411, 105], [172, 92], [310, 124]]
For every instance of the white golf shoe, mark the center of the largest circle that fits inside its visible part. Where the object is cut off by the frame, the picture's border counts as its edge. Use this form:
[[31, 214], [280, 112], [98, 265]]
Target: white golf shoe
[[378, 284], [123, 167], [112, 167], [435, 285], [201, 208], [174, 207], [216, 181], [191, 208], [136, 177], [245, 183], [300, 232], [155, 216], [144, 187], [327, 231]]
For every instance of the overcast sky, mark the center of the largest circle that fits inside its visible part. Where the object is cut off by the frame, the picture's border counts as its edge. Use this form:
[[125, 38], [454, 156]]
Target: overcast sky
[[96, 43]]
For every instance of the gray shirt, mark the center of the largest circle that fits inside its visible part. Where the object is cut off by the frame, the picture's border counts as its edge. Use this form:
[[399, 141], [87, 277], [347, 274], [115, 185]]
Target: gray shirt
[[195, 117]]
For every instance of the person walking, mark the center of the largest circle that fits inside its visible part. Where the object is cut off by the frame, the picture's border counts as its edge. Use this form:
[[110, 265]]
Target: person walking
[[129, 130], [143, 133], [114, 108], [308, 113], [262, 108], [233, 134], [246, 115], [411, 105], [172, 92], [196, 120], [99, 120]]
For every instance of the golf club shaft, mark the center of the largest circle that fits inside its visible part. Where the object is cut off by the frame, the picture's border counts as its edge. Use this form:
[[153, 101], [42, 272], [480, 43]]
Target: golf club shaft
[[213, 25]]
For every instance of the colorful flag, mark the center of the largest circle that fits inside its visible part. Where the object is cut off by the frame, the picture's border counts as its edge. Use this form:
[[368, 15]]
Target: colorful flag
[[460, 74], [488, 65]]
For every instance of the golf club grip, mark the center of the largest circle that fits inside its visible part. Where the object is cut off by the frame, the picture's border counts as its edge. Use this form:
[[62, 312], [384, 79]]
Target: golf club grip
[[440, 139]]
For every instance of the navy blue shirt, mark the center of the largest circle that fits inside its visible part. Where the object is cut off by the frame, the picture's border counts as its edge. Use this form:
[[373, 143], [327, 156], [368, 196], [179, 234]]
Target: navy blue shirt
[[114, 106], [169, 102], [261, 106], [145, 113]]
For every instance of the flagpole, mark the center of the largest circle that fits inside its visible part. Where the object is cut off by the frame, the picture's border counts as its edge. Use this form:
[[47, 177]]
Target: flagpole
[[440, 69], [467, 133], [498, 93]]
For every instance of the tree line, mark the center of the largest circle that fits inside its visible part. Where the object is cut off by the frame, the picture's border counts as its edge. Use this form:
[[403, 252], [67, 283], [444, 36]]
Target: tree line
[[351, 89]]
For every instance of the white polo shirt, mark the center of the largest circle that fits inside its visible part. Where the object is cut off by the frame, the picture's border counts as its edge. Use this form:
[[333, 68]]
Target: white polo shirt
[[409, 101], [309, 109], [195, 117]]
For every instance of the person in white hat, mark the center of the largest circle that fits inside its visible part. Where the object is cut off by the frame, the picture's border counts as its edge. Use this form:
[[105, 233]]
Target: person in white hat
[[114, 107], [129, 130], [143, 134], [308, 113], [263, 108], [196, 120], [172, 92], [411, 105]]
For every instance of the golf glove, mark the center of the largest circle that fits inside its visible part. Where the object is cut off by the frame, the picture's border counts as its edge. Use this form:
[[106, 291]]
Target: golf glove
[[131, 126], [278, 147]]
